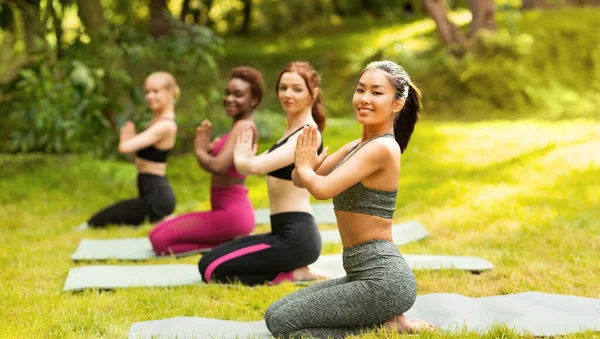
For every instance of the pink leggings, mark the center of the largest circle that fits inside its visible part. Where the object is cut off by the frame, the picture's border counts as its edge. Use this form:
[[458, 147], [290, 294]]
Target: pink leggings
[[232, 216]]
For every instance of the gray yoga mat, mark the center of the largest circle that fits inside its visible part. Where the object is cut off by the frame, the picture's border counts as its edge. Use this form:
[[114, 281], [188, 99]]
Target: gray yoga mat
[[536, 313], [121, 276], [323, 213], [134, 249], [333, 263], [137, 249]]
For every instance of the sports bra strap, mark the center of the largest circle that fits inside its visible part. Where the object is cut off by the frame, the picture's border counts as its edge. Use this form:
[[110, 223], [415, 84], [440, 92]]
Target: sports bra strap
[[350, 153]]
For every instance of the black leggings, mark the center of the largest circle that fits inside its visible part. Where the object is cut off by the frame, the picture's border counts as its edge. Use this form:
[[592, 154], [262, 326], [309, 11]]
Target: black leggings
[[294, 242], [156, 200]]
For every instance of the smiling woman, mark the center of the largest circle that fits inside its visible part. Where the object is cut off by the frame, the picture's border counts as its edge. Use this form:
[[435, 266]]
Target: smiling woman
[[362, 179], [228, 193]]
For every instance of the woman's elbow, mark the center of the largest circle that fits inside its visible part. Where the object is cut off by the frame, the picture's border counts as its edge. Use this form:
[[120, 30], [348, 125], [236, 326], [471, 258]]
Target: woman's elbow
[[297, 183], [123, 149], [320, 192]]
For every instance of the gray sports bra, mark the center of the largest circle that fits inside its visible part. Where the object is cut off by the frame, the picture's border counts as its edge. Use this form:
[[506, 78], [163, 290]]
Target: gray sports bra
[[364, 200]]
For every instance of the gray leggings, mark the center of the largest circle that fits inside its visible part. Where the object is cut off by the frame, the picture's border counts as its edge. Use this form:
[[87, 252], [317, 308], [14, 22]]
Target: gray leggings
[[378, 285]]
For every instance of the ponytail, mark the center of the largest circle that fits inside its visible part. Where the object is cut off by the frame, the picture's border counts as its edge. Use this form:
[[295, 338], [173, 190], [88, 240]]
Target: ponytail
[[318, 113], [405, 120]]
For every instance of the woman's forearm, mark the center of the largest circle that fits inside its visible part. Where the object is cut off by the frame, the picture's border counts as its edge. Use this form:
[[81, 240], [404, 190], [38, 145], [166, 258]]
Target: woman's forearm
[[296, 179], [312, 182], [204, 160], [242, 165]]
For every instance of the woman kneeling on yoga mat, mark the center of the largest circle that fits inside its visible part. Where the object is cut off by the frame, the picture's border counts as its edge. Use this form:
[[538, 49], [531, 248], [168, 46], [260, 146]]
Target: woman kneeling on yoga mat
[[232, 214], [151, 147], [294, 241], [362, 179]]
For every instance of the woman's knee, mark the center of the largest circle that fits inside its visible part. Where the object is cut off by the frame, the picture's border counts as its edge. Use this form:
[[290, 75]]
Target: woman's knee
[[271, 319], [160, 242], [277, 322]]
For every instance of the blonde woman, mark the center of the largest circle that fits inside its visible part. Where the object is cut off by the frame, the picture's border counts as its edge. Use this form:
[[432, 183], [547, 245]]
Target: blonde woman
[[151, 148]]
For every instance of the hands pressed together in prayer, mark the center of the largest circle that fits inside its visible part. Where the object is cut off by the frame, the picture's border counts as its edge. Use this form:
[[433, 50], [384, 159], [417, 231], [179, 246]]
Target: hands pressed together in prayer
[[127, 131], [202, 138], [305, 156], [244, 147]]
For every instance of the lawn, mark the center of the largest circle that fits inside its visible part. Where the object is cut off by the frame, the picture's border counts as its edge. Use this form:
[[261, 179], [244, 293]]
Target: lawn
[[524, 195]]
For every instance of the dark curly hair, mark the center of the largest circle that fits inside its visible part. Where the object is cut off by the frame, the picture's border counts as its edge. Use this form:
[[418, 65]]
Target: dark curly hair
[[252, 76]]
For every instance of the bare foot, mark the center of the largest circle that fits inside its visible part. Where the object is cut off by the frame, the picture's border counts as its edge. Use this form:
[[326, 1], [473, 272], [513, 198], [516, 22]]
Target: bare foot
[[307, 274], [401, 324]]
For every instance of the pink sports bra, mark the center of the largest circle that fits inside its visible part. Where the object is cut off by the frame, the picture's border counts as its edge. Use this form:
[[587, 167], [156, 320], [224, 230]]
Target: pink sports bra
[[232, 171]]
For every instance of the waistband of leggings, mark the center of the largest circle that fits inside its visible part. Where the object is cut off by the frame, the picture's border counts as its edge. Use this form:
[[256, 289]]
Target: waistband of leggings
[[292, 219], [148, 179], [376, 246], [151, 176]]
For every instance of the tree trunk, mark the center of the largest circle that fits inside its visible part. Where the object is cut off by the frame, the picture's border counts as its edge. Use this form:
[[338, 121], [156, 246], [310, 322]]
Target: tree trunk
[[58, 31], [201, 16], [159, 21], [451, 35], [247, 17], [32, 26], [337, 8], [185, 10], [483, 15], [91, 14], [7, 18], [369, 6], [417, 7]]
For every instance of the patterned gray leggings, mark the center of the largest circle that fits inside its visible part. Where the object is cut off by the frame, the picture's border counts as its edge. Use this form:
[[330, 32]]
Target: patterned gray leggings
[[378, 285]]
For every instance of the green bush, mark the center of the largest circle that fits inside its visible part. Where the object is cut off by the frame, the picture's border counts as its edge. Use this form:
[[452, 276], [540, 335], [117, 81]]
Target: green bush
[[78, 103], [58, 109]]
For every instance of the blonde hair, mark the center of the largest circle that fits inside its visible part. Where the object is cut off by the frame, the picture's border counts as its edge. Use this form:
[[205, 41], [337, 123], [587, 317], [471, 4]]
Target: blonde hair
[[170, 80]]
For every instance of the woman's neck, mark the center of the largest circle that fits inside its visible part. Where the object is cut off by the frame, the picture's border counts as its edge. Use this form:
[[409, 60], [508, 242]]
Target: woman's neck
[[244, 116], [371, 131], [167, 112], [298, 120]]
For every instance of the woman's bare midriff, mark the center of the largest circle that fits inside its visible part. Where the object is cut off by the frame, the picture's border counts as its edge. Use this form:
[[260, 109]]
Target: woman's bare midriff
[[285, 197], [226, 180], [150, 167], [357, 228]]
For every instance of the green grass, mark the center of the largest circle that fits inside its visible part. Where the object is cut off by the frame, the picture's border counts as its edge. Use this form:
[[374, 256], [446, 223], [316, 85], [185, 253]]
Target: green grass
[[523, 195]]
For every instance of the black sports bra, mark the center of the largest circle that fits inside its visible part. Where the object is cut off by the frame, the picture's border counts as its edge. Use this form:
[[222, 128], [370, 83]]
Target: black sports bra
[[154, 154], [285, 172]]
